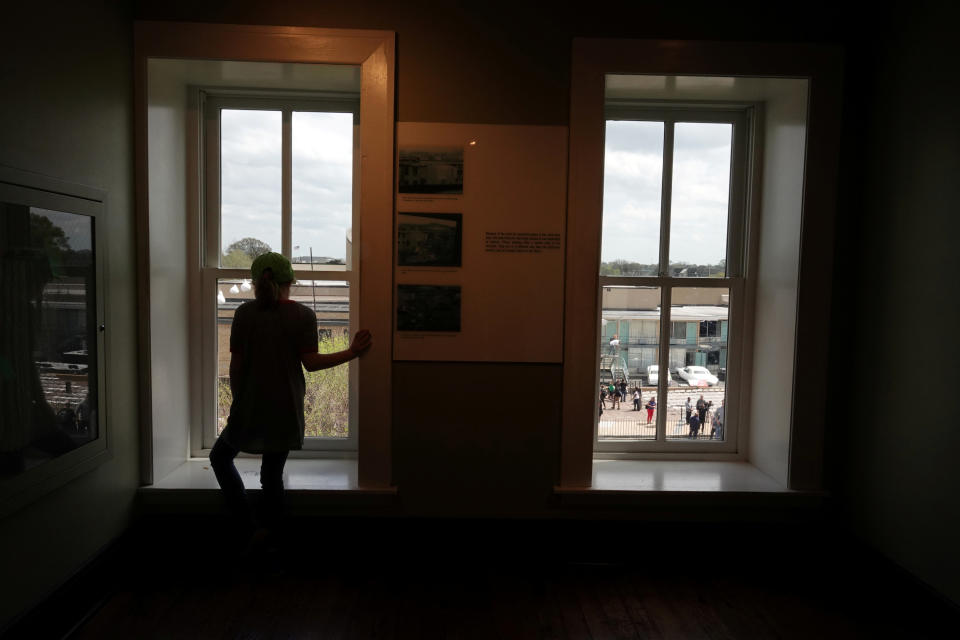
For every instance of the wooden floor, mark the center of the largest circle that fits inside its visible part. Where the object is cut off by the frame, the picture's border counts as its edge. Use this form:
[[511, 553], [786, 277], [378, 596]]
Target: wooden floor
[[461, 591], [475, 602]]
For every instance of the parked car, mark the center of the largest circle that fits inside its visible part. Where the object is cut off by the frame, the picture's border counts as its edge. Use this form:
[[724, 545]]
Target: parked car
[[653, 375], [697, 376]]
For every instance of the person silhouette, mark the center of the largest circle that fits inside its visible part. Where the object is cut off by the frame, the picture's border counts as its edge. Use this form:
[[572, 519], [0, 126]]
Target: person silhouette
[[271, 337]]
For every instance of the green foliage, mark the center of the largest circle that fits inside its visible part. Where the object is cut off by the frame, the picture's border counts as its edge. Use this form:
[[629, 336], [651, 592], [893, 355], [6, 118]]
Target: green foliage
[[236, 259], [224, 400], [242, 253], [326, 406], [627, 268]]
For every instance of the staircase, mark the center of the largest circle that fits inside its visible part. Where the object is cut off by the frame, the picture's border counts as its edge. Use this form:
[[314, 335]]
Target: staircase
[[613, 368]]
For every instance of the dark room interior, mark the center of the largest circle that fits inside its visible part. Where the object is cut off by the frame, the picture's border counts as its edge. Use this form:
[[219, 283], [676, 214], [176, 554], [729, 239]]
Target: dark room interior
[[476, 500]]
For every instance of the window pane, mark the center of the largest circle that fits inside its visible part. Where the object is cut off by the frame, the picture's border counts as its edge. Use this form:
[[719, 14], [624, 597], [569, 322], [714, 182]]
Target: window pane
[[699, 319], [250, 185], [699, 204], [327, 399], [629, 348], [322, 187], [632, 176], [327, 402]]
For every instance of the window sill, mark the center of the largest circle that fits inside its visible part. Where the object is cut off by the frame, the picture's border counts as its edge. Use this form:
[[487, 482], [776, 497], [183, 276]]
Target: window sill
[[687, 483], [304, 474], [307, 481]]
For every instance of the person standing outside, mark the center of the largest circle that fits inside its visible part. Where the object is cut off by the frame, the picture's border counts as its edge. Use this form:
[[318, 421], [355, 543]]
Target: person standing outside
[[702, 407], [614, 345], [718, 421], [623, 389], [688, 407], [636, 398], [694, 425], [651, 406], [271, 340]]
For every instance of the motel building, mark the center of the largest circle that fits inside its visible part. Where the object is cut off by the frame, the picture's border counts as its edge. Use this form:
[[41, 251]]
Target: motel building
[[698, 331]]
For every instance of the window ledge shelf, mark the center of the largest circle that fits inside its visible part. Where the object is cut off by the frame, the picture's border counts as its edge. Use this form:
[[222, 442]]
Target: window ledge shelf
[[302, 474], [671, 482], [308, 482]]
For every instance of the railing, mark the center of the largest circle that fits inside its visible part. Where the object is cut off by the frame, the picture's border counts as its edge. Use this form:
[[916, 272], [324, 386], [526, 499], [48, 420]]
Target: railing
[[699, 341], [627, 424], [631, 342]]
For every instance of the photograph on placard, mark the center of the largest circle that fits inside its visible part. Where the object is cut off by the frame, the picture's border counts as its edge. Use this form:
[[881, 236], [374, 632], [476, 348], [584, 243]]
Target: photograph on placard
[[431, 171], [429, 239], [428, 308]]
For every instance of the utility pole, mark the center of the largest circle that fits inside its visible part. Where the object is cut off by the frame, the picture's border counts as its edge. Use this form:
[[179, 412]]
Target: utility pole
[[313, 283]]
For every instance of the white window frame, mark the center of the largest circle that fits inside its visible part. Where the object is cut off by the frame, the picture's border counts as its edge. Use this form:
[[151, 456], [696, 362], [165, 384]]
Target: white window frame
[[170, 57], [782, 423], [212, 102], [743, 118]]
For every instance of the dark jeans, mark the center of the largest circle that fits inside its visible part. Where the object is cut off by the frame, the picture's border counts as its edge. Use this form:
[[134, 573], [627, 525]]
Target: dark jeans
[[271, 481]]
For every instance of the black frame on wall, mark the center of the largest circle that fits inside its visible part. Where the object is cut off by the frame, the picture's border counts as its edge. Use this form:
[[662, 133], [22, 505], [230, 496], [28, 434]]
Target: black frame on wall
[[43, 192]]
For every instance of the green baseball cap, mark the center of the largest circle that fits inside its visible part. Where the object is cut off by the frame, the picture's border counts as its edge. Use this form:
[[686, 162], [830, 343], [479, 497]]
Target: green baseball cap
[[282, 271]]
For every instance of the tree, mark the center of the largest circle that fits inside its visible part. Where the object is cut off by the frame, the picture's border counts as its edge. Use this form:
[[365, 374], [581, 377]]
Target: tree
[[243, 252]]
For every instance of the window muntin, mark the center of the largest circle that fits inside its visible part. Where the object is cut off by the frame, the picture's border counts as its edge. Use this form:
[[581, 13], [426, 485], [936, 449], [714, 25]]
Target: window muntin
[[322, 180], [700, 223]]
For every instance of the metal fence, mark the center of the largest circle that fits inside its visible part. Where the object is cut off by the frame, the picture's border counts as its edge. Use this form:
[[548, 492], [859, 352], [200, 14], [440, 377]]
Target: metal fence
[[627, 424]]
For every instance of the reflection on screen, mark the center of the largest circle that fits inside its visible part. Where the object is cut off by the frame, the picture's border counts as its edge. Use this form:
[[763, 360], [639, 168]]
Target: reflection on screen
[[48, 363]]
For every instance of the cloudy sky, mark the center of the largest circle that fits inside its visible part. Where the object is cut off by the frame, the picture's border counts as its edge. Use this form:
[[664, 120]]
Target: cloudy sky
[[322, 174], [322, 189], [632, 187]]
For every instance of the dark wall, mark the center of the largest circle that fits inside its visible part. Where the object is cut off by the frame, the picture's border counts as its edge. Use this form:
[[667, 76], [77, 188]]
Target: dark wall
[[476, 439], [66, 111], [503, 62], [895, 439], [482, 439]]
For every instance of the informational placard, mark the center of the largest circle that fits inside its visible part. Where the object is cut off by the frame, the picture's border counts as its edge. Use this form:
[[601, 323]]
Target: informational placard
[[520, 242], [479, 236]]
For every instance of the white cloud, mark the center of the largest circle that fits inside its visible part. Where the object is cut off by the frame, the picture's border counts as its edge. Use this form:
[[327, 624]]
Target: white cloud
[[322, 191], [632, 191]]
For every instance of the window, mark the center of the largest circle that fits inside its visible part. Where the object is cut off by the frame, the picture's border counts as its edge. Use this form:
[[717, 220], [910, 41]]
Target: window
[[777, 322], [671, 256], [278, 176]]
